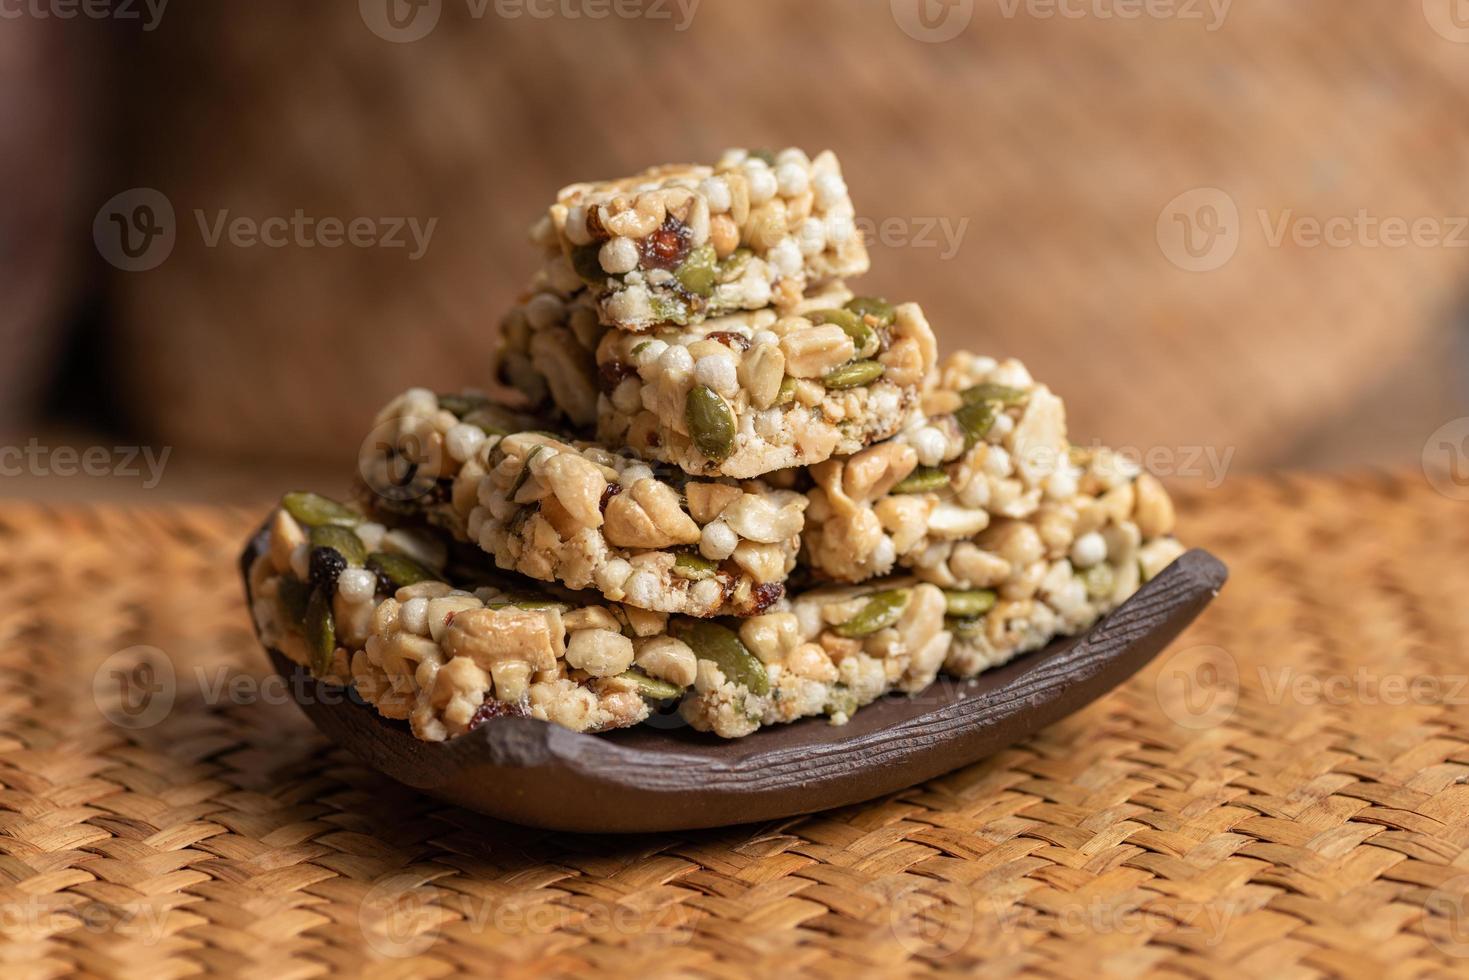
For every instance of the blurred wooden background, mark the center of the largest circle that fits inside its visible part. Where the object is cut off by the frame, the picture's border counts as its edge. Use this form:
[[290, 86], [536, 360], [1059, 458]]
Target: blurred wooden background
[[1020, 176]]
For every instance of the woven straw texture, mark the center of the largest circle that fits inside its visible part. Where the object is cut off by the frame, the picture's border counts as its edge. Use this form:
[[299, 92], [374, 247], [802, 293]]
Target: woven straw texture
[[1210, 819], [1015, 177]]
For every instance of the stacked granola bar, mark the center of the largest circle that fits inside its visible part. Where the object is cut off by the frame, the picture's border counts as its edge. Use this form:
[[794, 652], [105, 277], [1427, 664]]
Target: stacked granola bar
[[723, 486]]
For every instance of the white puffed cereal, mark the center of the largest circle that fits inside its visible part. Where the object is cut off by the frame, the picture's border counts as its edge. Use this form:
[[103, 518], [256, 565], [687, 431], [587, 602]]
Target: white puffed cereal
[[792, 179], [733, 157], [544, 310], [716, 191], [576, 225], [1062, 484], [785, 258], [930, 445], [356, 585], [1002, 426], [371, 534], [676, 364], [1088, 550], [1012, 374], [463, 441], [812, 236], [840, 228], [612, 574], [708, 593], [793, 154], [997, 461], [649, 351], [885, 554], [762, 183], [718, 541], [717, 371], [642, 589], [618, 255], [413, 617], [634, 472], [830, 190], [761, 337]]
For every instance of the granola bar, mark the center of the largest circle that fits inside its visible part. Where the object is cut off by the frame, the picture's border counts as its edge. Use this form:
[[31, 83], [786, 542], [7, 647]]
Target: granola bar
[[680, 243], [447, 650], [580, 515], [745, 395]]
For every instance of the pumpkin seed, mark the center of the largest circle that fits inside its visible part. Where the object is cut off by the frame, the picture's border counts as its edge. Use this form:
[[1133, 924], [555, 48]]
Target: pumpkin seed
[[294, 595], [723, 648], [975, 420], [321, 632], [968, 603], [461, 404], [399, 570], [923, 480], [787, 392], [587, 261], [668, 309], [766, 155], [883, 609], [871, 306], [696, 273], [711, 423], [312, 509], [966, 628], [732, 266], [651, 688], [864, 339], [841, 701], [344, 541], [853, 375], [524, 473], [988, 392], [531, 603], [696, 567]]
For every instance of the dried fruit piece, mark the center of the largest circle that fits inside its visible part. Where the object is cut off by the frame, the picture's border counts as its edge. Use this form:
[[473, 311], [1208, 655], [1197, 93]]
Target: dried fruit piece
[[650, 688], [325, 565], [853, 375], [398, 570], [711, 423], [321, 631], [312, 509], [883, 609], [695, 567], [723, 648], [923, 480], [343, 541], [968, 603]]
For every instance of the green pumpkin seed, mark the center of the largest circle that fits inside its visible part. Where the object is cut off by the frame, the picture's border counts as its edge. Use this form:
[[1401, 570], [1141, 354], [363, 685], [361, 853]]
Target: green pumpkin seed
[[587, 261], [641, 346], [312, 509], [399, 570], [976, 420], [461, 405], [864, 339], [524, 473], [668, 309], [968, 603], [711, 423], [881, 309], [1100, 580], [767, 155], [695, 567], [923, 480], [342, 540], [321, 632], [841, 701], [987, 392], [787, 392], [696, 273], [732, 266], [854, 375], [883, 609], [531, 603], [652, 688], [295, 596], [723, 648], [966, 628]]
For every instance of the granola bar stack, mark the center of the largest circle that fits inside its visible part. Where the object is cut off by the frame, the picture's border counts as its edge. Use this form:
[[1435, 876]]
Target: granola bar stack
[[724, 486]]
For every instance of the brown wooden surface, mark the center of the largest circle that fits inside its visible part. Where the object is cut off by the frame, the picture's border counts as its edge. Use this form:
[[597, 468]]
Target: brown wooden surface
[[1204, 830]]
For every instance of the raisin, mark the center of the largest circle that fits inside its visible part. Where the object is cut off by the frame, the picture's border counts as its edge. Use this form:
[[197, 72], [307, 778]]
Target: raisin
[[613, 373], [326, 564], [384, 584], [766, 595], [497, 709], [730, 339], [613, 489], [667, 247]]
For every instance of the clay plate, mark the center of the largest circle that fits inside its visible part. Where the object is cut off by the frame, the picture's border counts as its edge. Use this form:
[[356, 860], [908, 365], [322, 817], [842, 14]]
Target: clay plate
[[654, 778]]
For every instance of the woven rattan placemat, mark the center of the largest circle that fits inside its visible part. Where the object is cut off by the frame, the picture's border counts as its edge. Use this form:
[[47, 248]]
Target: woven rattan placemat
[[1283, 794]]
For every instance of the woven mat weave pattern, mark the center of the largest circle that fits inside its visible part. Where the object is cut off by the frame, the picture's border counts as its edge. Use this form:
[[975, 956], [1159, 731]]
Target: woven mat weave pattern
[[1283, 794]]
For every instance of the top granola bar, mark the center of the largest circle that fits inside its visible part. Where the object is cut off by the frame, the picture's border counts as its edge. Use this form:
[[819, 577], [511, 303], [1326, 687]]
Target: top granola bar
[[679, 243]]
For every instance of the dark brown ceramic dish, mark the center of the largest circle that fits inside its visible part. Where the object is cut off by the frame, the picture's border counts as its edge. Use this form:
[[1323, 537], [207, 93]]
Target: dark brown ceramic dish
[[673, 778]]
